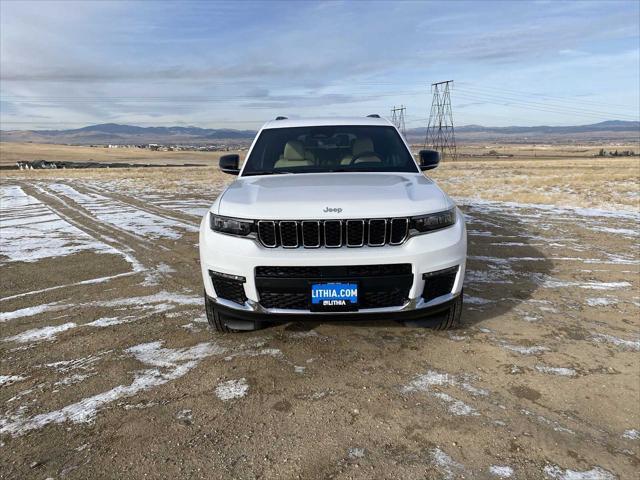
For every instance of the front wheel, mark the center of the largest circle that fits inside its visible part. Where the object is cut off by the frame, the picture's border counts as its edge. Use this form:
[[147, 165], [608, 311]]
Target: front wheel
[[220, 323], [448, 319], [451, 320]]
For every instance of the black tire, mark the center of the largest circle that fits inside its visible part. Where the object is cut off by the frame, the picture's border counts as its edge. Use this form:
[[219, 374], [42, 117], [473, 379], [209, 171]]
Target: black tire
[[451, 320], [214, 318], [220, 323]]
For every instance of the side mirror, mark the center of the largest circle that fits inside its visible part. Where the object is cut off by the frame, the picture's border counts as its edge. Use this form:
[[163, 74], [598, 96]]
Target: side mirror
[[429, 159], [229, 164]]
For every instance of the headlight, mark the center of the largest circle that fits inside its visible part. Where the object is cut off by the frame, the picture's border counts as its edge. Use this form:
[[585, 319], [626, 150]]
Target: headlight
[[433, 221], [231, 226]]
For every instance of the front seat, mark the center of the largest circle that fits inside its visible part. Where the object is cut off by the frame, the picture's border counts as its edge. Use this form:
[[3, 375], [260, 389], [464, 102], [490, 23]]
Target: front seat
[[294, 156], [360, 145]]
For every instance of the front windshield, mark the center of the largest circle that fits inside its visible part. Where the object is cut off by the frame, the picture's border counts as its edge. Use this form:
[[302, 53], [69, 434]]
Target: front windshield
[[344, 148]]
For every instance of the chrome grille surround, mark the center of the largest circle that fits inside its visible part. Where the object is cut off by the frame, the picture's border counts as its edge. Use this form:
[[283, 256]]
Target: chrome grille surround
[[352, 233]]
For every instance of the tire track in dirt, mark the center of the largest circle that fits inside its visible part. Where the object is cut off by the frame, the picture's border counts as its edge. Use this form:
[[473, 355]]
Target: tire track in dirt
[[145, 253], [81, 218], [184, 218]]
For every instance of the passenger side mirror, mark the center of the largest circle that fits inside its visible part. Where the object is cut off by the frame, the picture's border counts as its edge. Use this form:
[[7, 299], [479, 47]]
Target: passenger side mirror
[[229, 163], [429, 159]]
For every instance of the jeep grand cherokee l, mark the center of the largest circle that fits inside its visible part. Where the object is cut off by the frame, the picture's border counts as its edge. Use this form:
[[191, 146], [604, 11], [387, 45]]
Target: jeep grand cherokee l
[[331, 218]]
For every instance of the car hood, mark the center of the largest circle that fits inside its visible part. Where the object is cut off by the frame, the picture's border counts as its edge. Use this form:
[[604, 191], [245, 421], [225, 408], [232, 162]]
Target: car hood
[[332, 195]]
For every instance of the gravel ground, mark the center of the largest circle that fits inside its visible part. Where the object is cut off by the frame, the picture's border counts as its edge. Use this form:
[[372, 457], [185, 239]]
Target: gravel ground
[[109, 370]]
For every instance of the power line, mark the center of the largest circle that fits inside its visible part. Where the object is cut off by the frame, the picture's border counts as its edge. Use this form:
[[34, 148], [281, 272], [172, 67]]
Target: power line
[[397, 118], [552, 107], [440, 132], [508, 102], [571, 100]]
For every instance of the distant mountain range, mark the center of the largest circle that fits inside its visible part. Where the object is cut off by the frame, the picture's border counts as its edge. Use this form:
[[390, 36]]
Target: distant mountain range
[[608, 130], [111, 133]]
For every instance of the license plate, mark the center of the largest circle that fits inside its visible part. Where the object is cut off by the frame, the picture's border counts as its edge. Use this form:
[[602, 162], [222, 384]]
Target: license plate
[[334, 296]]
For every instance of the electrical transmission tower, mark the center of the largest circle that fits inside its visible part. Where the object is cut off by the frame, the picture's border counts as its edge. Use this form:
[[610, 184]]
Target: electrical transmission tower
[[397, 118], [440, 132]]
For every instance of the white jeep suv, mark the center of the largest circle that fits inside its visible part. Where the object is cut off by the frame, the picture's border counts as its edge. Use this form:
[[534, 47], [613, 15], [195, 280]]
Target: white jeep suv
[[332, 219]]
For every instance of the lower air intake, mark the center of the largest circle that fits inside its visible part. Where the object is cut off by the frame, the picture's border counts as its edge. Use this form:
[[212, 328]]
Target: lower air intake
[[439, 283], [228, 287]]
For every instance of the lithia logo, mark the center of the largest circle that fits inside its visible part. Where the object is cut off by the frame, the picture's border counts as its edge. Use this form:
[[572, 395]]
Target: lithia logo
[[332, 210]]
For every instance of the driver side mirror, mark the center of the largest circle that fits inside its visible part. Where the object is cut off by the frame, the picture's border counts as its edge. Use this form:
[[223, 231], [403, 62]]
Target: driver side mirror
[[229, 163], [429, 159]]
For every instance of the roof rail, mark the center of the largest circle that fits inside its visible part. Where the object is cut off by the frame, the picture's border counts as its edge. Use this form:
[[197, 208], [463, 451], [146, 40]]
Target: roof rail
[[281, 118], [373, 115]]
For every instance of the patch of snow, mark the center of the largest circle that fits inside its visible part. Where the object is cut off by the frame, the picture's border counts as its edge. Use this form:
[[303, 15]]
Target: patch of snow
[[457, 338], [477, 300], [488, 276], [124, 216], [632, 434], [9, 379], [456, 407], [425, 382], [232, 389], [185, 416], [535, 350], [557, 427], [501, 471], [620, 342], [160, 301], [29, 311], [596, 473], [84, 363], [153, 277], [561, 371], [108, 322], [549, 282], [304, 334], [540, 208], [39, 334], [298, 369], [449, 468], [91, 281], [618, 231], [31, 231], [356, 452], [605, 285], [73, 379], [170, 364], [601, 302]]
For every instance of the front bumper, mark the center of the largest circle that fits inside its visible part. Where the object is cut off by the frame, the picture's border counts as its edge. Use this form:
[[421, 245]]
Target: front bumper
[[425, 253], [259, 314]]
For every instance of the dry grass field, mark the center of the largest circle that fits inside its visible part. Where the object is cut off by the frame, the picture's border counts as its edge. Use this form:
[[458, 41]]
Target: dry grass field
[[109, 370], [565, 176], [11, 152]]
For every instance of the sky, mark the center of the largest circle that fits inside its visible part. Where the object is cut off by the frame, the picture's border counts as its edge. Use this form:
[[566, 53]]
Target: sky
[[238, 64]]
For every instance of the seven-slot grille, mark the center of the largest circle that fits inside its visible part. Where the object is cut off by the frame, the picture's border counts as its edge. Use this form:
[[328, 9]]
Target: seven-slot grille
[[375, 232]]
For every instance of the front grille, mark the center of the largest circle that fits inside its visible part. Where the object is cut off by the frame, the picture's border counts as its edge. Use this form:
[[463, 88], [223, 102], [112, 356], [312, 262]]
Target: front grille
[[385, 285], [439, 283], [375, 232], [228, 287]]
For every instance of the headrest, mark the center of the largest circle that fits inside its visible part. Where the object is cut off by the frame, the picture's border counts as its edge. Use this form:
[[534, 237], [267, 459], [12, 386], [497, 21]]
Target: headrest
[[362, 145], [293, 150]]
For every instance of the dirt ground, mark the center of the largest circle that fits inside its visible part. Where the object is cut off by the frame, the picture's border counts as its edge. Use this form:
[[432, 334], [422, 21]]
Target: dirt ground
[[109, 370]]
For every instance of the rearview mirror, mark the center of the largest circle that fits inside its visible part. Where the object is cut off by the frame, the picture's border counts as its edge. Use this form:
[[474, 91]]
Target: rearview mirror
[[429, 159], [229, 163]]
